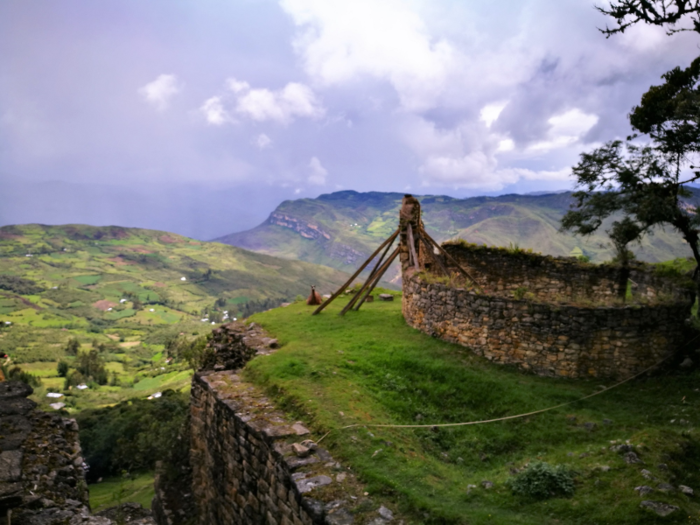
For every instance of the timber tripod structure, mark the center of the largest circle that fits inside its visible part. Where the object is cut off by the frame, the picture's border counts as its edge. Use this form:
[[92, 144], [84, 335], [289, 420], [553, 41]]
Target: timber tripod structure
[[416, 252]]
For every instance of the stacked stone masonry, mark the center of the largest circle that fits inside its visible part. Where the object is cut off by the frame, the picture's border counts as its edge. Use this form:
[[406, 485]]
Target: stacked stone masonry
[[42, 479], [543, 330], [249, 463], [561, 279]]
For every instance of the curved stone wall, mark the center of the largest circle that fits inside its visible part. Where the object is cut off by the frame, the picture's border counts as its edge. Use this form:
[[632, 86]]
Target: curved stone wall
[[527, 313], [561, 279]]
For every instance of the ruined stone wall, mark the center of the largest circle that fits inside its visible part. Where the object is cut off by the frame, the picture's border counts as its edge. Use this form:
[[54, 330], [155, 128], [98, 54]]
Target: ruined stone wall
[[249, 463], [41, 468], [558, 279], [548, 339]]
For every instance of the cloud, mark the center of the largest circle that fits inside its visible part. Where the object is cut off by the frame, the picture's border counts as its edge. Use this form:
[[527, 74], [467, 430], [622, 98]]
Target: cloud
[[214, 112], [263, 141], [159, 92], [489, 113], [340, 41], [283, 106], [471, 156], [318, 172], [293, 101], [565, 129]]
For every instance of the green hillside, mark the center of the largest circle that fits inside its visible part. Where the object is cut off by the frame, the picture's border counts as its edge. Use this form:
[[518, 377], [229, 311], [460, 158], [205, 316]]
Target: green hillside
[[341, 229], [125, 293]]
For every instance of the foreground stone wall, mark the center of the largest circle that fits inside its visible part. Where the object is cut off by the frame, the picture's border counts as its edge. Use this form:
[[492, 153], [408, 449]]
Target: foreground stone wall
[[557, 279], [41, 467], [42, 473], [249, 463], [551, 340]]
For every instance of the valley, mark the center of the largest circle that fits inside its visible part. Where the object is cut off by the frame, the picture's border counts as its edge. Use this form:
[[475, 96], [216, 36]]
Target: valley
[[126, 293]]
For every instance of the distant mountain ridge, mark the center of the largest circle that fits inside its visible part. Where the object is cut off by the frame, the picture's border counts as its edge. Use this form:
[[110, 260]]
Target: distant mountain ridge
[[342, 229]]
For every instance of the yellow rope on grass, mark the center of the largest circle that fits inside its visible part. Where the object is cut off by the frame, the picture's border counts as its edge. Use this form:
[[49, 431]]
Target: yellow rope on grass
[[505, 418]]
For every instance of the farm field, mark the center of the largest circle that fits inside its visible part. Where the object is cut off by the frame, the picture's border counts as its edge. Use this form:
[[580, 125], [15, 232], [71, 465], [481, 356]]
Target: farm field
[[123, 294]]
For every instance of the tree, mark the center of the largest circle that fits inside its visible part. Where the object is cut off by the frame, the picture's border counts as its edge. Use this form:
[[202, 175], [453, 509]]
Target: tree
[[643, 183], [655, 12], [670, 113], [62, 369], [92, 366], [73, 346]]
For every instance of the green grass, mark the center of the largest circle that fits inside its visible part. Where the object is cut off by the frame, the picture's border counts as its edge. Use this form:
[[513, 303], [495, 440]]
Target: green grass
[[111, 492], [369, 367]]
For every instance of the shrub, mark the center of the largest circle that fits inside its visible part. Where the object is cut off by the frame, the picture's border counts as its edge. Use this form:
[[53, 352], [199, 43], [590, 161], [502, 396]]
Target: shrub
[[62, 369], [17, 374], [519, 292], [541, 481]]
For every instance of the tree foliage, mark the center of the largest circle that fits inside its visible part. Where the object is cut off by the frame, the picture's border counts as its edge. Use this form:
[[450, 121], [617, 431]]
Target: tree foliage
[[132, 435], [72, 346], [642, 183], [92, 367], [646, 184], [655, 12]]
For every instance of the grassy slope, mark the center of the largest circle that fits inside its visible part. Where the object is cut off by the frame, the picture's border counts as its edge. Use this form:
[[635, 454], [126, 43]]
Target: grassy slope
[[370, 367], [526, 221], [80, 271], [111, 492]]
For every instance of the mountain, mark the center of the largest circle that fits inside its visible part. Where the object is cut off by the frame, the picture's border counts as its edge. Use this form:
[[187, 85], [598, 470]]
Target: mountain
[[342, 229]]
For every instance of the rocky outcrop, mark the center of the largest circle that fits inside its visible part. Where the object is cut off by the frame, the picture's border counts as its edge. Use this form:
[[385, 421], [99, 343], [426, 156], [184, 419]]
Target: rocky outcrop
[[348, 255], [305, 229]]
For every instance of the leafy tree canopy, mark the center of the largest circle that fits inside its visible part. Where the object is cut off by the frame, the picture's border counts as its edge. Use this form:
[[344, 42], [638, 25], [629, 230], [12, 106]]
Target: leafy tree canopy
[[670, 113], [641, 182]]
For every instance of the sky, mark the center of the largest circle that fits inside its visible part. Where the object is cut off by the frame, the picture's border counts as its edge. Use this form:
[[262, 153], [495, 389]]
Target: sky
[[200, 116]]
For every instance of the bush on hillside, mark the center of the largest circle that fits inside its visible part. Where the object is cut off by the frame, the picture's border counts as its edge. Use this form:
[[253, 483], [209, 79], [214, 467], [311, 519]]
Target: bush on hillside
[[17, 374], [541, 481], [132, 435], [19, 285]]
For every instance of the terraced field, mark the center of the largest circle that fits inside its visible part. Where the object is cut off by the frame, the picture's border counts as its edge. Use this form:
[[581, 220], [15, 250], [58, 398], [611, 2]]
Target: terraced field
[[126, 293]]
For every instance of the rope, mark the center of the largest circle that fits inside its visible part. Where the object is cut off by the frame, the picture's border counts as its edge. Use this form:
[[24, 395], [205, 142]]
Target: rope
[[505, 418]]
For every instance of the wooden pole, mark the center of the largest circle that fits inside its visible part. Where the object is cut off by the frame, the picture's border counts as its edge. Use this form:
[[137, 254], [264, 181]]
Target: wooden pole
[[367, 282], [412, 247], [450, 258], [380, 274], [347, 283], [429, 248]]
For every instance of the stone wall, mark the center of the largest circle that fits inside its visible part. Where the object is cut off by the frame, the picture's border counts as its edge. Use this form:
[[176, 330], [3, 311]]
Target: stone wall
[[559, 279], [553, 316], [42, 474], [249, 463]]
